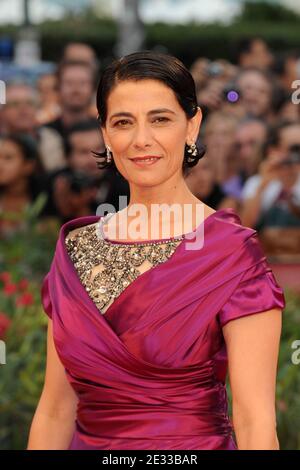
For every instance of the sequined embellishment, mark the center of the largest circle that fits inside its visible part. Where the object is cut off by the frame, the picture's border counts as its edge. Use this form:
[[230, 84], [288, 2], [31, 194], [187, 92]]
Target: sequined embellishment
[[119, 262]]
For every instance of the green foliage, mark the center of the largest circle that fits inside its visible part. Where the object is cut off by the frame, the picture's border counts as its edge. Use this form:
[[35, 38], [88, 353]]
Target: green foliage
[[23, 374], [267, 11], [28, 251], [288, 383], [25, 258], [275, 23]]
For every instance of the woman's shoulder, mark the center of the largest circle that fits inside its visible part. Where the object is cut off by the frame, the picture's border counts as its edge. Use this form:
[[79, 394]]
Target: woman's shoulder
[[229, 230], [230, 217]]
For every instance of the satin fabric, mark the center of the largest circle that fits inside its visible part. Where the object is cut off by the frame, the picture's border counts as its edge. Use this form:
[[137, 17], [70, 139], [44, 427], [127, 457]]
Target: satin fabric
[[150, 373]]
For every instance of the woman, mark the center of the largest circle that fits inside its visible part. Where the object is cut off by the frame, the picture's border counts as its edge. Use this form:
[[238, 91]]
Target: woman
[[141, 327], [20, 180]]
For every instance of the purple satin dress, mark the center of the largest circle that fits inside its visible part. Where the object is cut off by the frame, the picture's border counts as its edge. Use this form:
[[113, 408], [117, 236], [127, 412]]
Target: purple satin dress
[[150, 373]]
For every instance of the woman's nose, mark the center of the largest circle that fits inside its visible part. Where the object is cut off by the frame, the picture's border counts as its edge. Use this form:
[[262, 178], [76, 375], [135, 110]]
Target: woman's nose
[[142, 135]]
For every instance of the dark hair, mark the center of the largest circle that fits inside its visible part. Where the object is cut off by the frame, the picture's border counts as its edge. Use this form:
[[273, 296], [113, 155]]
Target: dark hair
[[26, 144], [278, 67], [150, 65], [29, 149], [274, 135], [244, 46], [85, 125]]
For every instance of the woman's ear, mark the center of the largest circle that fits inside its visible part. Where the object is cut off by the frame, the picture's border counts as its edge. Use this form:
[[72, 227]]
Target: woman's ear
[[194, 126]]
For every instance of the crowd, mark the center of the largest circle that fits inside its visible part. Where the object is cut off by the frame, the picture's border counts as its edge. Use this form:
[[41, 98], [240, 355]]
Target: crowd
[[250, 129]]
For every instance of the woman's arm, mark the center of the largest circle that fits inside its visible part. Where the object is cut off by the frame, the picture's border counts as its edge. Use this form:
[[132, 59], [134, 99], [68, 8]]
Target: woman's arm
[[54, 420], [252, 346]]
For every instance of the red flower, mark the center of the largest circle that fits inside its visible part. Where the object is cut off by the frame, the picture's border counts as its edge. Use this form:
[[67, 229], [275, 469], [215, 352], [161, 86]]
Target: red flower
[[4, 324], [9, 288], [5, 277], [23, 284], [24, 300]]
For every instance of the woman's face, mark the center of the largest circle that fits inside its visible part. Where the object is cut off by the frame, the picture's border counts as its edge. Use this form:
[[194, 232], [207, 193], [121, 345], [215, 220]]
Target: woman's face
[[144, 118], [13, 165]]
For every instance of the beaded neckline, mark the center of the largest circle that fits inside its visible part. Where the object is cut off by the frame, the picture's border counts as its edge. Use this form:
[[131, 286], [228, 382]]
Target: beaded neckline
[[105, 269], [99, 229]]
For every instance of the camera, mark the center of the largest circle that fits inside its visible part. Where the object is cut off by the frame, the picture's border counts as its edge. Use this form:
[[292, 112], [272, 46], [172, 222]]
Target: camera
[[80, 181], [231, 93], [214, 69]]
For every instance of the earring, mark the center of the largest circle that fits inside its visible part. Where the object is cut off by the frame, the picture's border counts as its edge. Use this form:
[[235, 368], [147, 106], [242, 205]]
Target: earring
[[193, 149], [108, 155]]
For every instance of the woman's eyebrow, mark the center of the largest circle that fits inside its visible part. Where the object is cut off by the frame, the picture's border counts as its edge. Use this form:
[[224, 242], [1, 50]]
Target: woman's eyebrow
[[153, 111]]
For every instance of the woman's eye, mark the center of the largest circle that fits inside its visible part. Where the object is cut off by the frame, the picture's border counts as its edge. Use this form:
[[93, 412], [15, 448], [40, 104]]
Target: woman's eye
[[122, 122], [161, 119]]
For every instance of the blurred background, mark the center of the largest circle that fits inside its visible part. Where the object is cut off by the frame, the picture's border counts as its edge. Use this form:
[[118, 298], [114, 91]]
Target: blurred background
[[245, 59]]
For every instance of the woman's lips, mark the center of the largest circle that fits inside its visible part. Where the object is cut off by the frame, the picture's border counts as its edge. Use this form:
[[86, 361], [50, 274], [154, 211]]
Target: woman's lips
[[145, 161]]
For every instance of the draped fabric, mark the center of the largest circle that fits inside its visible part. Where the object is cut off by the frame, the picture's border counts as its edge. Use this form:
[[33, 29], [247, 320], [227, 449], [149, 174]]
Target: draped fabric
[[150, 373]]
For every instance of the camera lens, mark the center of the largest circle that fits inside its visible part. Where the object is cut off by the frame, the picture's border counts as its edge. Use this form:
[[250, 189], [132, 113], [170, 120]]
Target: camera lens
[[232, 96]]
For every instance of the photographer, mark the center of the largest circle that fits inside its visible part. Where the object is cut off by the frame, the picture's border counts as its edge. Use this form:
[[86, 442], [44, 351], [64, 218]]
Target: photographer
[[271, 197], [216, 87]]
